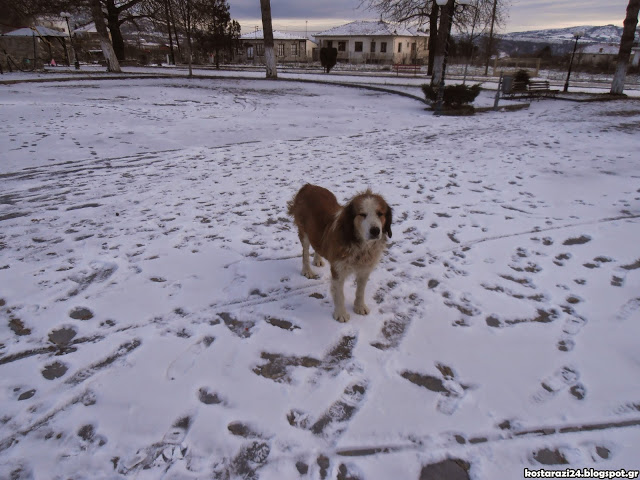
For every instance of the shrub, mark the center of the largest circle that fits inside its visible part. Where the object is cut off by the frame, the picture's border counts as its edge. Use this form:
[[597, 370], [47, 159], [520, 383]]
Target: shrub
[[328, 58], [522, 76], [455, 96]]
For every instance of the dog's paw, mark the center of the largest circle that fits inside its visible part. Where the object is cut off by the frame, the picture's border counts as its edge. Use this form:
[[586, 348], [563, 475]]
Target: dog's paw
[[341, 316], [310, 275], [361, 309], [318, 262]]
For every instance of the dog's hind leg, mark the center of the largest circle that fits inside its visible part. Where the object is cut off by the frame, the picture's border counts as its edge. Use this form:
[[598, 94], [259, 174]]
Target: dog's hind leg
[[306, 266]]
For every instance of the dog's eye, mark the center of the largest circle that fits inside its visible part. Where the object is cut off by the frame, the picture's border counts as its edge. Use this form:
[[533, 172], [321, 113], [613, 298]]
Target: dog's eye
[[363, 215], [380, 214]]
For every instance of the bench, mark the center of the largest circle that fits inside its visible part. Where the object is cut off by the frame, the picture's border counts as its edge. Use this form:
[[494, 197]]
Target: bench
[[406, 68], [534, 88]]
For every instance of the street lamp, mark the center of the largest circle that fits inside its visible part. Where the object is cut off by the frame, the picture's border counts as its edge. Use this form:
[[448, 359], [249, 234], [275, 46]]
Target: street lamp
[[67, 16], [443, 3], [577, 36]]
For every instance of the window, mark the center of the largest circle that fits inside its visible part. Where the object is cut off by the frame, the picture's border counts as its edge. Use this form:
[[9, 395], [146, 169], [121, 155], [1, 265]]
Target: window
[[358, 46], [400, 47], [414, 47], [373, 47], [342, 46], [330, 43], [294, 49], [260, 49], [250, 51], [383, 47], [281, 49]]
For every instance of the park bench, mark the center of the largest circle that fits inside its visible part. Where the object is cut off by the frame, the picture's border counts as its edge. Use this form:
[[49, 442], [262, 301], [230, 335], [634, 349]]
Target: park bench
[[534, 88], [406, 69]]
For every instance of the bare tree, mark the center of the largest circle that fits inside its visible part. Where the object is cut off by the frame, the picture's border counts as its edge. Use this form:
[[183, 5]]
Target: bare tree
[[107, 49], [490, 44], [421, 13], [185, 13], [267, 30], [626, 43], [117, 13]]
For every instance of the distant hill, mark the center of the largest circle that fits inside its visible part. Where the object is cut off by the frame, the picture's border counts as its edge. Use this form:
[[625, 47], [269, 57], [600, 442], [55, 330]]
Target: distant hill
[[605, 34], [559, 40]]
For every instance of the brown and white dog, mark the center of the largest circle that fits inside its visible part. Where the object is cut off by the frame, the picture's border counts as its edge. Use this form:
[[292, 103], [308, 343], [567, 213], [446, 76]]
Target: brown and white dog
[[351, 237]]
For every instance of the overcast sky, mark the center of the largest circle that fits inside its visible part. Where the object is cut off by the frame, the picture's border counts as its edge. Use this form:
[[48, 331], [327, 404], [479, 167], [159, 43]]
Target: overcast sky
[[523, 14]]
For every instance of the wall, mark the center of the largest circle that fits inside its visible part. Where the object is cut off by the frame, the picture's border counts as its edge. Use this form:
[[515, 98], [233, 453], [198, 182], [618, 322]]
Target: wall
[[304, 51], [392, 55]]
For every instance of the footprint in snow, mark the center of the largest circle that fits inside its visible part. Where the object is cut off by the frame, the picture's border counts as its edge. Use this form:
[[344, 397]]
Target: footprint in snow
[[562, 379]]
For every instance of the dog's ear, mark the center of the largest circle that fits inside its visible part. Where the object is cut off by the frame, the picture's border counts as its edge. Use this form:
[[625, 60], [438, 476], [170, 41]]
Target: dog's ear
[[387, 223], [347, 220]]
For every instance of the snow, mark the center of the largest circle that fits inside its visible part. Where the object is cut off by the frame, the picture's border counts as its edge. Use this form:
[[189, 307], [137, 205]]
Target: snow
[[374, 29], [277, 35], [39, 31], [150, 271]]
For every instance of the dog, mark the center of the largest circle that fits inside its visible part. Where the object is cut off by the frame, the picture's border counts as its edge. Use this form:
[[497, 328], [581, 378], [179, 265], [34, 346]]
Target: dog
[[351, 237]]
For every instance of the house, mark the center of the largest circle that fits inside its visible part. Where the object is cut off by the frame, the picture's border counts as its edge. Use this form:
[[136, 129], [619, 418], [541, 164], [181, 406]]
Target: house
[[288, 47], [598, 54], [376, 42]]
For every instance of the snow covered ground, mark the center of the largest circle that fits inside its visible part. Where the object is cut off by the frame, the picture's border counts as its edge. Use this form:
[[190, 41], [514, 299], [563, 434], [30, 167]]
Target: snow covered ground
[[155, 324]]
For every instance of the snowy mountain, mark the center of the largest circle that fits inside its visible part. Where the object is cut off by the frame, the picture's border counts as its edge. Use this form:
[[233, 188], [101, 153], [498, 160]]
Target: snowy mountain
[[559, 40], [604, 34]]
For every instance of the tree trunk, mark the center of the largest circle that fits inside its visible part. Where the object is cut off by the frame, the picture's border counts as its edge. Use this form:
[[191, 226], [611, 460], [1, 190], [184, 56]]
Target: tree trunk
[[490, 44], [107, 49], [267, 31], [626, 43], [175, 30], [446, 16], [172, 58], [433, 37], [113, 23]]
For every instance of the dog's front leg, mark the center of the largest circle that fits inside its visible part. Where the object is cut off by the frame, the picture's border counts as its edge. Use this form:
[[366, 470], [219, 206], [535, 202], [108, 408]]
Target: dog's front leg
[[361, 281], [337, 292]]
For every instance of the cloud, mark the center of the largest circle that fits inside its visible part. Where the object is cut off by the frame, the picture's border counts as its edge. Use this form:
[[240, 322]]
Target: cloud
[[523, 14]]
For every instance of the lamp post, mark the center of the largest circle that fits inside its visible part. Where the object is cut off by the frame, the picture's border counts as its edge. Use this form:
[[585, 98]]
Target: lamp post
[[577, 36], [66, 16], [448, 25]]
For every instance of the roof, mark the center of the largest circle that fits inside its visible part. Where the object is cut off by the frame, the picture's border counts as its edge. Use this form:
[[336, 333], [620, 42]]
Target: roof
[[370, 29], [600, 49], [277, 35], [88, 28], [38, 31]]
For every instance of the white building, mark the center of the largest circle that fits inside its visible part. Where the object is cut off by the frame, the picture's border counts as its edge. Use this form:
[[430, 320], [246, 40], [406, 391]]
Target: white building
[[376, 42]]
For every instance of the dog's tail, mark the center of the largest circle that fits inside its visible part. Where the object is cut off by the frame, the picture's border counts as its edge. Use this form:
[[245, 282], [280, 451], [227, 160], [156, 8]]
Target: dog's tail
[[291, 204]]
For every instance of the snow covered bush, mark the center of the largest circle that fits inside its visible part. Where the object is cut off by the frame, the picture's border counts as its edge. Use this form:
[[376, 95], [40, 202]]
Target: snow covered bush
[[522, 76]]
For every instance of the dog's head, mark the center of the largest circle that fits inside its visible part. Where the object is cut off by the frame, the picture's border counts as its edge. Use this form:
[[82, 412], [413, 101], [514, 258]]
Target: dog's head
[[368, 217]]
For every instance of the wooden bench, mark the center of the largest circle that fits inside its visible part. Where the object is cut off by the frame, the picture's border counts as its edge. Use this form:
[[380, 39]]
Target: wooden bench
[[406, 68], [534, 88]]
